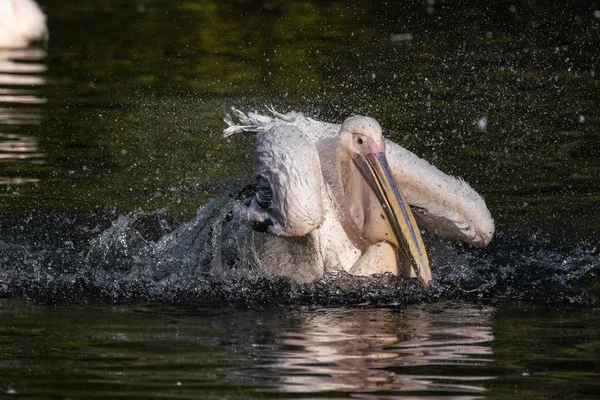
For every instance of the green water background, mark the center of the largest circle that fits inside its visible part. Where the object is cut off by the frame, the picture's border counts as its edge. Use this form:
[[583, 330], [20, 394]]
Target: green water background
[[136, 92], [135, 95]]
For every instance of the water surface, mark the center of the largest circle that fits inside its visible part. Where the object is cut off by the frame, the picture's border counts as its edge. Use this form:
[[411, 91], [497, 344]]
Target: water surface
[[110, 139], [448, 349]]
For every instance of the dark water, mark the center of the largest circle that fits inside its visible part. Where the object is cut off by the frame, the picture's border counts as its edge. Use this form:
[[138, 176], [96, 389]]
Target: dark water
[[110, 141], [445, 349]]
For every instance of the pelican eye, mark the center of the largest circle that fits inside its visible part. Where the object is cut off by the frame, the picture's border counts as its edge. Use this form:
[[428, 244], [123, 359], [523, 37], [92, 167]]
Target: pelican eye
[[359, 140], [264, 193]]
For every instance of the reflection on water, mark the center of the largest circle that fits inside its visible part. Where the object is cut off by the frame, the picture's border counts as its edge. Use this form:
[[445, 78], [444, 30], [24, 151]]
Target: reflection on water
[[14, 146], [370, 350], [211, 351], [22, 80], [443, 350], [22, 77], [22, 67]]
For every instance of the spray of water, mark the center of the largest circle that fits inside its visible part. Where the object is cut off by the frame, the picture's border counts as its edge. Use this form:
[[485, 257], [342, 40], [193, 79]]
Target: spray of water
[[105, 256]]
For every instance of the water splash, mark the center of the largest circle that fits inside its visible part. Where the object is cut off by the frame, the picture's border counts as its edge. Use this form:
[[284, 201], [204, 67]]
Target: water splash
[[105, 256]]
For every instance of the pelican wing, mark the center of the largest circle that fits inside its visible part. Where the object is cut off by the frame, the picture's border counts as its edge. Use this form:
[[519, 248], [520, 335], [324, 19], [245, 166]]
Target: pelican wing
[[443, 204], [290, 183], [255, 123]]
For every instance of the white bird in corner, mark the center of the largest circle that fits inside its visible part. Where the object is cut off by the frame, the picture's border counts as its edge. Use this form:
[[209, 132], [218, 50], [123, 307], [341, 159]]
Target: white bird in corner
[[21, 23], [350, 190]]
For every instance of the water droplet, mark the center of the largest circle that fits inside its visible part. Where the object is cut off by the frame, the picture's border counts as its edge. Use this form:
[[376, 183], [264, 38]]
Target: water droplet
[[401, 37], [482, 124]]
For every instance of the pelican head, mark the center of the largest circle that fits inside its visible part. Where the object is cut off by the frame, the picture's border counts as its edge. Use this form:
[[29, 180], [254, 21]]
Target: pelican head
[[380, 211]]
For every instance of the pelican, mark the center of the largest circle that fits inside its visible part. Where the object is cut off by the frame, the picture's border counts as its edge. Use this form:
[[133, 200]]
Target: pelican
[[21, 23], [348, 191]]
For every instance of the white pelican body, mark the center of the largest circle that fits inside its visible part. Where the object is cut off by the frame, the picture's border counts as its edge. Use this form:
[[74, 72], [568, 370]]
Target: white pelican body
[[312, 183], [21, 22]]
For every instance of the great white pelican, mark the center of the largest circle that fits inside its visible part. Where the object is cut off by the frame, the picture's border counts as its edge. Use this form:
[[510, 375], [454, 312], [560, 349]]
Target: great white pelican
[[350, 191]]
